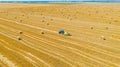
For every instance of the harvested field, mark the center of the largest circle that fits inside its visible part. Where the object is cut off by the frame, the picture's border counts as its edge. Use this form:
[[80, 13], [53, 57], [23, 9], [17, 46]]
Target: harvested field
[[29, 35]]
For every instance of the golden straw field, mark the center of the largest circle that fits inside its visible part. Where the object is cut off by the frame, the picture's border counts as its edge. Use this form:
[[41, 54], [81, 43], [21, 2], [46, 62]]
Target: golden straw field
[[29, 35]]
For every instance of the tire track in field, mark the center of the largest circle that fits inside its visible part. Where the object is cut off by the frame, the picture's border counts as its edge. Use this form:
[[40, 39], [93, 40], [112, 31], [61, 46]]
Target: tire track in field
[[31, 46], [25, 54]]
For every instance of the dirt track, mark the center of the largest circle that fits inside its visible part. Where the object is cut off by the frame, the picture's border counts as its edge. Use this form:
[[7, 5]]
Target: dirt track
[[95, 40]]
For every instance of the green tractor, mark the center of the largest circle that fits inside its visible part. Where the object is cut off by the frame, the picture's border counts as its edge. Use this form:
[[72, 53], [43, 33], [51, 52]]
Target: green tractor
[[64, 33]]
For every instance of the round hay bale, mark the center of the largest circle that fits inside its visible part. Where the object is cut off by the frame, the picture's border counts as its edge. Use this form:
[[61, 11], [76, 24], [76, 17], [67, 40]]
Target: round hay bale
[[70, 18], [20, 20], [42, 32], [15, 17], [44, 17], [110, 22], [43, 21], [51, 19], [19, 38], [41, 14], [20, 32], [91, 27], [48, 24], [27, 16], [103, 37], [106, 28]]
